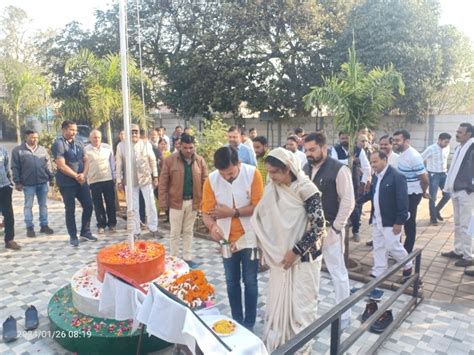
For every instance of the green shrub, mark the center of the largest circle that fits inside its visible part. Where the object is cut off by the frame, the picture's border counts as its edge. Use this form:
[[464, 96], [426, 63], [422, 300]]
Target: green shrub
[[211, 138]]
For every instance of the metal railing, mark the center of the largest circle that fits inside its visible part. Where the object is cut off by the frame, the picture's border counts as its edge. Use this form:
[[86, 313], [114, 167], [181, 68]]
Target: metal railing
[[333, 317]]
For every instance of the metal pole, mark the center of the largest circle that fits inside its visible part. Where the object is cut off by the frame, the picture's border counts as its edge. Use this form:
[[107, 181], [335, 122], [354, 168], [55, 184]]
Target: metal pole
[[140, 60], [126, 121]]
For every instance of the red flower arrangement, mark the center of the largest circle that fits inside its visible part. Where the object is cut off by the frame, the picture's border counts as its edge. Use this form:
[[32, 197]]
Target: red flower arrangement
[[121, 254]]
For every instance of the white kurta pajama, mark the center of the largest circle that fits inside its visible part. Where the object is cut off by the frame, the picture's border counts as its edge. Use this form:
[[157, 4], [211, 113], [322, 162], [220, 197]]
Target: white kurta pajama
[[280, 220]]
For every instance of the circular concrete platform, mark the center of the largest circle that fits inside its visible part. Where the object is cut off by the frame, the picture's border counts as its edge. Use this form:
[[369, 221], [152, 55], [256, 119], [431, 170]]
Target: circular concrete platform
[[84, 334]]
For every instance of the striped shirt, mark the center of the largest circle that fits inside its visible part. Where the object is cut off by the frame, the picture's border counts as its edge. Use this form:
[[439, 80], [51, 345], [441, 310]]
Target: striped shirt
[[436, 158], [410, 164]]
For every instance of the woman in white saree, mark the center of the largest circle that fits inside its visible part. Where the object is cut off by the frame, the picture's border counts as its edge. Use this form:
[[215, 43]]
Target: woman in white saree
[[290, 226]]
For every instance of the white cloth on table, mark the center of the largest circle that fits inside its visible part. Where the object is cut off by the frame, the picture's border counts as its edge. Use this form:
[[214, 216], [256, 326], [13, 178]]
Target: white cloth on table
[[175, 323], [118, 300], [242, 341]]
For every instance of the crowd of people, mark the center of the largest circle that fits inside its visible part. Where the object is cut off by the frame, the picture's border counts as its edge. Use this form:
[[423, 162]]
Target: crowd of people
[[286, 208]]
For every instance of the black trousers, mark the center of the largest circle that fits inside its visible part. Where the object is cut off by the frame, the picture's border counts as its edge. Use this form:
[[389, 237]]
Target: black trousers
[[104, 191], [141, 207], [83, 195], [410, 224], [6, 209]]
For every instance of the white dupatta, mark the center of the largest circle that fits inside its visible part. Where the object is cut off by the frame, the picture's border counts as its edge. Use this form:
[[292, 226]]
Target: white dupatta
[[280, 220]]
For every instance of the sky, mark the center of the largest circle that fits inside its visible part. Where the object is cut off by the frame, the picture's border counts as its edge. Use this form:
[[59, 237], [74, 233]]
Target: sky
[[57, 13]]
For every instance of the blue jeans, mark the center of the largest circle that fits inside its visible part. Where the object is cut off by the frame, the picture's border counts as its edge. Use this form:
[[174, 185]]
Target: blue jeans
[[83, 195], [437, 180], [234, 266], [41, 192]]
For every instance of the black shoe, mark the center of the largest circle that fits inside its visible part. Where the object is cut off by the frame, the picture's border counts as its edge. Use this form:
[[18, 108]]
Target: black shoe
[[370, 309], [451, 254], [46, 230], [10, 332], [433, 222], [382, 323], [74, 242], [370, 243], [88, 236], [31, 318], [191, 264], [439, 218], [464, 262], [407, 272], [469, 272], [30, 232]]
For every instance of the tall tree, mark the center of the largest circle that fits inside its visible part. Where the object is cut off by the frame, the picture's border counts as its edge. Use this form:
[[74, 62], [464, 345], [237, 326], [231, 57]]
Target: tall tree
[[212, 56], [27, 91], [408, 35], [13, 34], [356, 98]]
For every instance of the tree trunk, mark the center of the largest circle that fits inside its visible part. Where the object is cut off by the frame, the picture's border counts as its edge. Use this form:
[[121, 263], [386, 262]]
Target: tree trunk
[[17, 124], [109, 133]]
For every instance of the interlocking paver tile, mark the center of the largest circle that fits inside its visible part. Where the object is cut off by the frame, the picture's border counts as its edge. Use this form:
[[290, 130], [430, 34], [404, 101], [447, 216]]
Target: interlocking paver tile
[[46, 263]]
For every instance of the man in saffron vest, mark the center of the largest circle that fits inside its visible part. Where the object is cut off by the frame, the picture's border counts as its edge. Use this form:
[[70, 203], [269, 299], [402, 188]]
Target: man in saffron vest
[[230, 195]]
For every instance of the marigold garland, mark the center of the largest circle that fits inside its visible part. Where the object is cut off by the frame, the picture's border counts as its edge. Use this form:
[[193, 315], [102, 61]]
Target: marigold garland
[[192, 288]]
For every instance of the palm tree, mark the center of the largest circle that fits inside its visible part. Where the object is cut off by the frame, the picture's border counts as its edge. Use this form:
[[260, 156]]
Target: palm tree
[[26, 89], [356, 99], [102, 89]]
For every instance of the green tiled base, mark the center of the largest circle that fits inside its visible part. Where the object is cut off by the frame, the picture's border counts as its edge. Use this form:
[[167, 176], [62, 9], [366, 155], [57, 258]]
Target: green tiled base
[[83, 334]]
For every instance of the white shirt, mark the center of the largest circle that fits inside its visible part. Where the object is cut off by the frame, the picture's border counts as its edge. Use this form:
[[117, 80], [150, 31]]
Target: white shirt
[[410, 164], [335, 156], [301, 157], [364, 163], [365, 166], [377, 214], [393, 159], [436, 158]]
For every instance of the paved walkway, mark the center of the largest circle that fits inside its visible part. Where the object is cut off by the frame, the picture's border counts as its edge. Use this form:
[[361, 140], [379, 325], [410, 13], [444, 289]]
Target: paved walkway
[[45, 263], [442, 280]]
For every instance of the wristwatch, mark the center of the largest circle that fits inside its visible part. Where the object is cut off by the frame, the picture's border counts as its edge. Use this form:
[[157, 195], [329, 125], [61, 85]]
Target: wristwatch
[[236, 213]]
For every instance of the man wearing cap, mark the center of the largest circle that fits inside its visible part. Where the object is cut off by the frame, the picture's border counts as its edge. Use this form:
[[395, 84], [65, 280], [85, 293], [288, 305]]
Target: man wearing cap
[[144, 178]]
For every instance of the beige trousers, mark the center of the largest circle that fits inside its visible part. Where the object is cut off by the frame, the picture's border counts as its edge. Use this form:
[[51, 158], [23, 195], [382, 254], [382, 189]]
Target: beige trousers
[[181, 226]]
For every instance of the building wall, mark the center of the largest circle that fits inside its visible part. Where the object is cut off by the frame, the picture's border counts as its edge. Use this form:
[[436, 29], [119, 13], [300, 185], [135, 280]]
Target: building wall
[[422, 134]]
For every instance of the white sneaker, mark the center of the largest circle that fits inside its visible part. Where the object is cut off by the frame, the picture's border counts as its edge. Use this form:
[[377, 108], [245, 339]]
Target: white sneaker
[[100, 231]]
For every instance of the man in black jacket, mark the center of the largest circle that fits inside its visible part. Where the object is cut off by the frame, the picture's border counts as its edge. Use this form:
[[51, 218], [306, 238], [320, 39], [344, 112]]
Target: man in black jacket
[[389, 197], [32, 172]]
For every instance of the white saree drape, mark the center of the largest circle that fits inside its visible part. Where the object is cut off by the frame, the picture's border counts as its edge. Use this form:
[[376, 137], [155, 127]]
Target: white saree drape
[[280, 220]]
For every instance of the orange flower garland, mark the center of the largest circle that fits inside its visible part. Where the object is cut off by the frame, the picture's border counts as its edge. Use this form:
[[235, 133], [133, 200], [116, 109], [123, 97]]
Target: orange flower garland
[[193, 289]]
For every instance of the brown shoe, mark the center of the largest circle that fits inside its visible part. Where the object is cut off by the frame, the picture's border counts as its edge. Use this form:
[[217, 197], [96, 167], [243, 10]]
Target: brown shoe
[[12, 245]]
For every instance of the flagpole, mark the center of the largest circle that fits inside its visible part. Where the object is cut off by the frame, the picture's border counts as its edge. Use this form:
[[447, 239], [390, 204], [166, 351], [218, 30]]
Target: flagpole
[[126, 122]]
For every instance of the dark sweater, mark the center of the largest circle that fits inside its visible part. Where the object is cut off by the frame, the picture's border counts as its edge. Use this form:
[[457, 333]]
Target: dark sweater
[[31, 168]]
